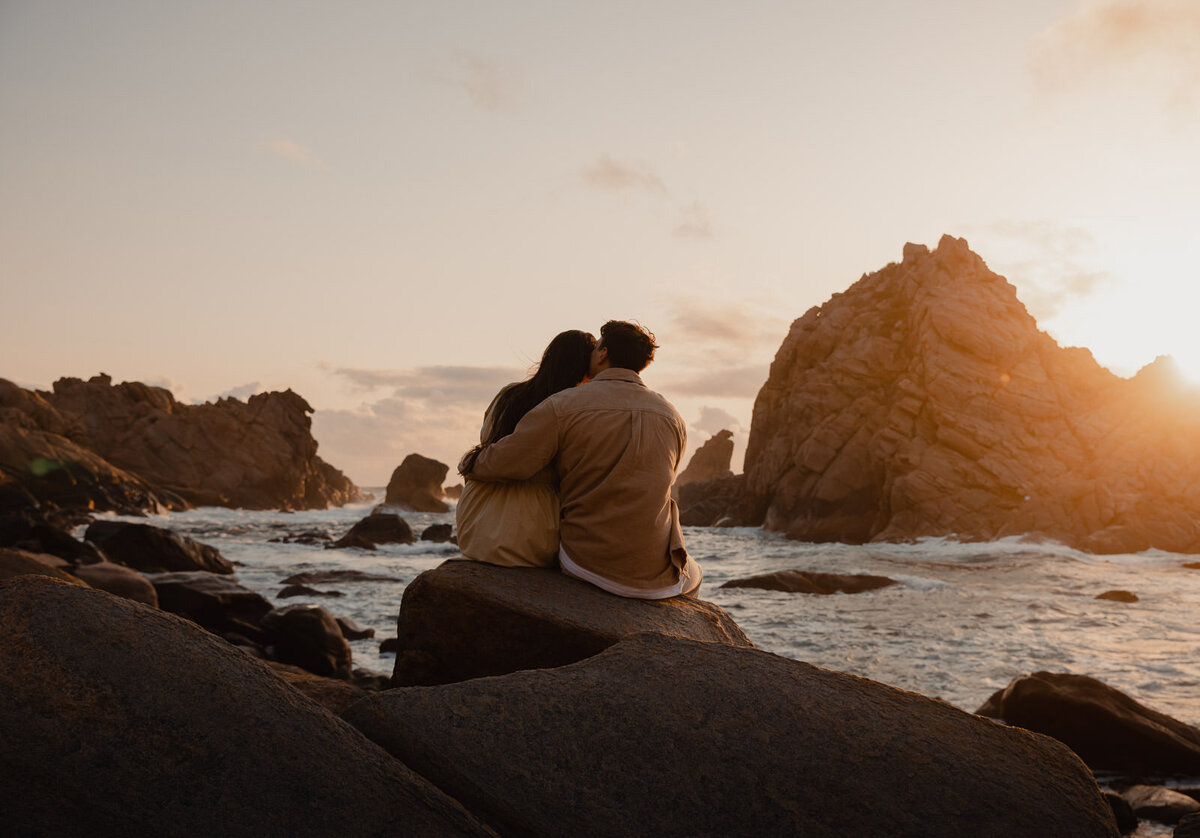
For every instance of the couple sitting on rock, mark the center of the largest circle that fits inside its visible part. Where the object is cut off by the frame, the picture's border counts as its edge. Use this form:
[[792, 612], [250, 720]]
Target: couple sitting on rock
[[575, 469]]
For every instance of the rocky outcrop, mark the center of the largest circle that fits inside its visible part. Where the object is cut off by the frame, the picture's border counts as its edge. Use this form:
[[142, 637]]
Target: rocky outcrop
[[308, 636], [666, 736], [117, 579], [217, 603], [710, 462], [924, 401], [154, 549], [707, 503], [34, 531], [1108, 729], [813, 582], [465, 619], [1158, 803], [20, 563], [257, 454], [178, 734], [376, 528], [416, 484]]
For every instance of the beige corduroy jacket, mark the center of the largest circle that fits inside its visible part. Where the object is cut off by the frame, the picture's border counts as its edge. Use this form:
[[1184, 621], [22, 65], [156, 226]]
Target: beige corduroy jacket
[[616, 446]]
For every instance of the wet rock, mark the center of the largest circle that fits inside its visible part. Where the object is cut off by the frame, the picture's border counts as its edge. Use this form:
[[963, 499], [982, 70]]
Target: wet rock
[[119, 580], [32, 531], [304, 590], [217, 603], [334, 694], [1107, 728], [438, 533], [454, 492], [710, 462], [308, 636], [154, 549], [813, 582], [1118, 596], [1192, 565], [1189, 827], [389, 645], [377, 528], [177, 734], [318, 577], [19, 563], [306, 537], [739, 741], [352, 630], [416, 484], [1157, 803], [1127, 821], [466, 619]]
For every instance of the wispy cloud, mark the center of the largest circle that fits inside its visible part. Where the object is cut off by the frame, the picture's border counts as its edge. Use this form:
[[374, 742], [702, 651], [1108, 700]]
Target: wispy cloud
[[489, 84], [442, 383], [610, 175], [296, 153], [1154, 44], [726, 326], [714, 419], [723, 382], [1050, 264], [240, 393], [696, 223]]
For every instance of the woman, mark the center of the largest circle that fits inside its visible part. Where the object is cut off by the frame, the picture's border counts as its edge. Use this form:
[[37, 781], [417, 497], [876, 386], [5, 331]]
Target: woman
[[516, 524]]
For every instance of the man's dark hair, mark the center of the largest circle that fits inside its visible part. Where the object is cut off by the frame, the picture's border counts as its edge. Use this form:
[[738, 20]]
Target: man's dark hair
[[629, 345]]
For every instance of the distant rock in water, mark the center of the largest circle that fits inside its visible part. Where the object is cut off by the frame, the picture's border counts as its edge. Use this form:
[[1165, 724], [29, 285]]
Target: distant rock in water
[[257, 454], [1118, 596], [924, 401], [813, 582], [710, 462], [416, 484]]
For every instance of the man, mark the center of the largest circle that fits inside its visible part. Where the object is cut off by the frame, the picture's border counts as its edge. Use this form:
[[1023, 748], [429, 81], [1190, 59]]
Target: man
[[616, 446]]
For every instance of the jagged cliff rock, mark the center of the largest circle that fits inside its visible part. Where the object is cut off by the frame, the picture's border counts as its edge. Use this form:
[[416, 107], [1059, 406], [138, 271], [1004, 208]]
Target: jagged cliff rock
[[257, 454], [924, 401], [710, 462]]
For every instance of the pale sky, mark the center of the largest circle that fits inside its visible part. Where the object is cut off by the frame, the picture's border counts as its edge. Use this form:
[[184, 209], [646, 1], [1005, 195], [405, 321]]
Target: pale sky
[[392, 207]]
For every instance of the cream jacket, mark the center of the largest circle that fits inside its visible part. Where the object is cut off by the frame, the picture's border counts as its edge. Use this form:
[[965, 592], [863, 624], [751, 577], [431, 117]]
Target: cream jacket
[[616, 446]]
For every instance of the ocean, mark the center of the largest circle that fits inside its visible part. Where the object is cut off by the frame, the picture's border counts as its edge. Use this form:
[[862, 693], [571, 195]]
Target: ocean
[[965, 619]]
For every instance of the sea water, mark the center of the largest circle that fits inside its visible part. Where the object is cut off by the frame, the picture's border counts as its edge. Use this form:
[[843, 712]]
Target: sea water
[[964, 620]]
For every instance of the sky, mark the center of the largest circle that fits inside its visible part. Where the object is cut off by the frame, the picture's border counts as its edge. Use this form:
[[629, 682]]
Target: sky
[[391, 207]]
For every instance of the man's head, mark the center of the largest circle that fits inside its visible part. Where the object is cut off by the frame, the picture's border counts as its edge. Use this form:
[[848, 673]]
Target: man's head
[[622, 344]]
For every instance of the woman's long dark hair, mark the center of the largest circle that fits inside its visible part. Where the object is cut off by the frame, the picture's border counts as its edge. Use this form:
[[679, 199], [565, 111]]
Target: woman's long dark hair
[[564, 364]]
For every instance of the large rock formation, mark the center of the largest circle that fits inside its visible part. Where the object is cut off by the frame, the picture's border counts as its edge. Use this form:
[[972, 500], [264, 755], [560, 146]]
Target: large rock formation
[[666, 736], [710, 462], [465, 619], [924, 401], [257, 454], [416, 484], [117, 719]]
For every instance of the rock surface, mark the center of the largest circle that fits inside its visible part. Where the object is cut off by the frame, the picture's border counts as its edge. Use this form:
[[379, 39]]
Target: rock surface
[[465, 619], [1189, 827], [813, 582], [1107, 728], [178, 734], [707, 502], [117, 579], [416, 484], [924, 401], [257, 454], [308, 636], [1161, 804], [217, 603], [665, 736], [20, 563], [710, 462], [154, 549], [377, 528]]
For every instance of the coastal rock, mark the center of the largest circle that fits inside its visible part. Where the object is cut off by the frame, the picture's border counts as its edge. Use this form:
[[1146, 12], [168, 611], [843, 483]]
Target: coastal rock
[[308, 636], [334, 694], [352, 630], [1157, 803], [377, 528], [35, 532], [318, 577], [454, 492], [257, 454], [20, 563], [813, 582], [1108, 729], [437, 533], [154, 549], [178, 734], [416, 484], [466, 619], [1127, 821], [217, 603], [925, 402], [304, 590], [705, 503], [710, 462], [667, 736], [1118, 596], [117, 579], [1189, 827]]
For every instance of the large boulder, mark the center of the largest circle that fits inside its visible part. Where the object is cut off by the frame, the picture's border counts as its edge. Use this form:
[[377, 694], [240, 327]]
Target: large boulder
[[308, 636], [154, 549], [924, 401], [666, 736], [217, 603], [377, 528], [1107, 728], [416, 484], [117, 719], [1158, 803], [36, 532], [465, 619], [117, 579], [20, 563], [813, 582], [257, 454], [710, 462]]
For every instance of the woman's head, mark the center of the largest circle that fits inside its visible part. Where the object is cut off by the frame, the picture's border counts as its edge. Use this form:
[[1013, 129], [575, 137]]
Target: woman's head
[[564, 364]]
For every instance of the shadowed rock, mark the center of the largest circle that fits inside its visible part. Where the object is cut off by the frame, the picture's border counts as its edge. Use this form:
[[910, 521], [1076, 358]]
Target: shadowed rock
[[119, 580], [1118, 596], [177, 734], [334, 694], [666, 736], [465, 619], [1108, 729], [304, 590], [416, 484], [35, 532], [154, 549], [1161, 804], [437, 533], [710, 462], [377, 528], [308, 636], [1189, 827], [217, 603], [707, 502], [812, 582], [352, 630], [19, 563], [317, 577]]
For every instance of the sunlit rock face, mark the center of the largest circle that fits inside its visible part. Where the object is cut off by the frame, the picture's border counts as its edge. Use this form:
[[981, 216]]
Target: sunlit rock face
[[925, 401], [256, 454]]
